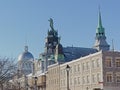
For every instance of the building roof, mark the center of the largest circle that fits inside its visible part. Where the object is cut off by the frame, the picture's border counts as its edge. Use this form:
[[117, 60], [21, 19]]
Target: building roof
[[72, 53], [25, 55]]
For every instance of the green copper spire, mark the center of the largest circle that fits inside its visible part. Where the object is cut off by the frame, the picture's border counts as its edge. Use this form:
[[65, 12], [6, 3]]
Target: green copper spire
[[99, 20], [100, 30]]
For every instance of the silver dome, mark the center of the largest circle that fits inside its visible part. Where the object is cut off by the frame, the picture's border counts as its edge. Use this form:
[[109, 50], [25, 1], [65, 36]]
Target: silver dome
[[25, 55]]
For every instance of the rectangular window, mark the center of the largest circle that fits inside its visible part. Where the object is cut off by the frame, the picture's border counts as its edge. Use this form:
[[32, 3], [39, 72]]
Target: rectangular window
[[83, 80], [98, 77], [75, 81], [88, 79], [87, 65], [98, 62], [78, 80], [55, 70], [54, 81], [63, 82], [108, 62], [109, 77], [93, 78], [118, 77], [117, 62], [60, 72], [78, 67], [74, 68], [83, 66], [49, 81], [93, 64], [64, 72], [57, 81], [71, 69]]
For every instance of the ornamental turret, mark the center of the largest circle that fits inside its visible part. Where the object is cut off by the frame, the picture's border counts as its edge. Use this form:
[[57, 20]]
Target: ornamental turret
[[59, 54]]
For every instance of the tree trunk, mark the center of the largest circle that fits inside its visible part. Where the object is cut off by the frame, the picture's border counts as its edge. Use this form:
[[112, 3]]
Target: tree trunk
[[1, 86]]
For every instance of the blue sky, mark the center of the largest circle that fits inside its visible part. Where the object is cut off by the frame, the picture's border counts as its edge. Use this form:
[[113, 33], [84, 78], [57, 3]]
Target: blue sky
[[24, 21]]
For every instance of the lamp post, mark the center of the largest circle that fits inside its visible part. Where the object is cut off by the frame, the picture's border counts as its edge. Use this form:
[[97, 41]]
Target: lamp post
[[67, 69], [35, 78]]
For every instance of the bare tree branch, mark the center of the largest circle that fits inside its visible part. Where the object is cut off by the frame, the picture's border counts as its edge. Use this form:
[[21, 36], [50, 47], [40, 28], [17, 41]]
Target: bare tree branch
[[7, 69]]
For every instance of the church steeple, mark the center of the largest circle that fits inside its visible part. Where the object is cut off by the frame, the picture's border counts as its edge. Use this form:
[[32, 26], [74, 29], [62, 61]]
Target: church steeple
[[100, 43]]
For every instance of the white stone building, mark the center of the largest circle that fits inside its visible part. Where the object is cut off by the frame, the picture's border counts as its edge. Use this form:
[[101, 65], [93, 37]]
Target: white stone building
[[98, 71]]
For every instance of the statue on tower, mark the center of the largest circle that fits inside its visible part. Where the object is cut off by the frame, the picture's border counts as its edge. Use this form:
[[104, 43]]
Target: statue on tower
[[51, 23]]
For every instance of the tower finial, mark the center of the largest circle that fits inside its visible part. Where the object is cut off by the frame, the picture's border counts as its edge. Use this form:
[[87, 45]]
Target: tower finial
[[26, 48]]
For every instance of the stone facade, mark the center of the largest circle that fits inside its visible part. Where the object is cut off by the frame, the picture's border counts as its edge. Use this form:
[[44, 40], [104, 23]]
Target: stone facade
[[86, 73], [111, 70]]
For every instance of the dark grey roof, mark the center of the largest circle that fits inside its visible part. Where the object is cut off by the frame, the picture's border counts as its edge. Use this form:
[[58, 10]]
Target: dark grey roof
[[72, 53]]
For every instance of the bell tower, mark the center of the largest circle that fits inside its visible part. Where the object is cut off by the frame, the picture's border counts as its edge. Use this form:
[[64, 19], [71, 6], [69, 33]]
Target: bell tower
[[51, 39]]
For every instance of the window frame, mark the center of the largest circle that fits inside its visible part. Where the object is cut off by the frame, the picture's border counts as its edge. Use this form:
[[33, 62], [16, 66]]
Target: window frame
[[117, 74], [109, 79], [107, 63], [116, 64]]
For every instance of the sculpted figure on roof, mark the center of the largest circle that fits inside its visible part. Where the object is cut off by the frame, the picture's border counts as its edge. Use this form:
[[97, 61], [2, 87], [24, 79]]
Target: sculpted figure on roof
[[51, 23]]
